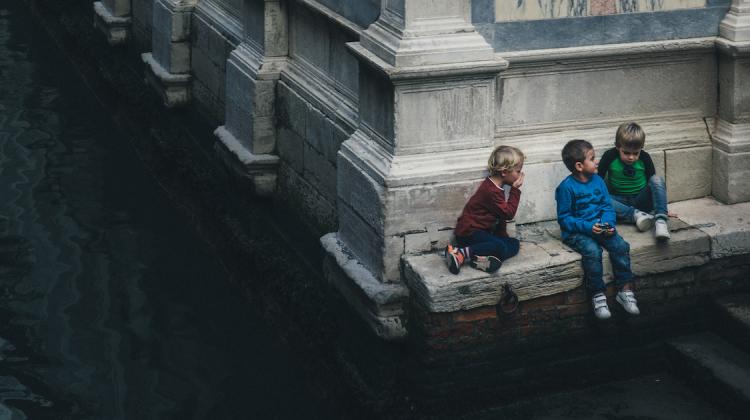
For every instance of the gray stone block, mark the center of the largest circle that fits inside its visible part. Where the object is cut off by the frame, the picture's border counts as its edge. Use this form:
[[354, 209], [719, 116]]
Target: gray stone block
[[300, 196], [381, 255], [118, 8], [381, 305], [318, 130], [538, 192], [688, 173], [291, 149], [264, 135], [292, 110], [265, 98], [659, 162], [728, 225], [731, 176], [310, 39], [320, 173], [534, 272], [179, 57], [208, 74]]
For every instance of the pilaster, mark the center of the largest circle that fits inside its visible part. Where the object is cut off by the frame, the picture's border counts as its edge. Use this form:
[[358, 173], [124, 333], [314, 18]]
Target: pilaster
[[247, 140], [426, 124], [168, 64], [112, 17], [731, 135]]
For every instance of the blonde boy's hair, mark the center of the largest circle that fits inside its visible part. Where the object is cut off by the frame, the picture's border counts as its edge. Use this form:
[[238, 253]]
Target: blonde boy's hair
[[630, 136], [504, 158]]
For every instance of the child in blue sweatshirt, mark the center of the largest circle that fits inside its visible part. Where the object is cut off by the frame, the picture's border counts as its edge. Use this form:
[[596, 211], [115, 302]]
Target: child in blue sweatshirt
[[587, 223]]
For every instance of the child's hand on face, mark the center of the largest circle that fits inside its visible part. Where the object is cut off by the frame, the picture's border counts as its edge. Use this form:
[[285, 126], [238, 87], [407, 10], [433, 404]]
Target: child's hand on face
[[518, 182]]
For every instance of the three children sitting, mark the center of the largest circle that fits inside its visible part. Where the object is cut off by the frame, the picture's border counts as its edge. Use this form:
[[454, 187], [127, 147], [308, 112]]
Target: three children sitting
[[623, 186]]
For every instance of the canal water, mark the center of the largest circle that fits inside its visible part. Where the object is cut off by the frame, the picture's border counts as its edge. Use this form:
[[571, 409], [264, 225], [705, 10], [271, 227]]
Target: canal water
[[110, 308]]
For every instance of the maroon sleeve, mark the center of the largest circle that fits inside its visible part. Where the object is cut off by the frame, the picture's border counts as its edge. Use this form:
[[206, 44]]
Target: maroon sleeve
[[499, 207]]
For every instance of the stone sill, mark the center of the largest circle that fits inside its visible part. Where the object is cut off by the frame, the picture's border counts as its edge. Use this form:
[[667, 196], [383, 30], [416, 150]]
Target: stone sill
[[705, 230]]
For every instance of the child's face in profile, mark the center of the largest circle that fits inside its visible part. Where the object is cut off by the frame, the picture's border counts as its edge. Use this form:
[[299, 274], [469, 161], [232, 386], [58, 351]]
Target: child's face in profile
[[510, 176], [589, 166], [629, 156]]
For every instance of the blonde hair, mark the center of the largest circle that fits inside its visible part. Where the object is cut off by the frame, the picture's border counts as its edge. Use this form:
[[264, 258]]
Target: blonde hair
[[504, 158], [630, 136]]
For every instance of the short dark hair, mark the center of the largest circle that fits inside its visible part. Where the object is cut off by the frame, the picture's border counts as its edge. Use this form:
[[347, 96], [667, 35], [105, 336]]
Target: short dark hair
[[574, 152], [630, 136]]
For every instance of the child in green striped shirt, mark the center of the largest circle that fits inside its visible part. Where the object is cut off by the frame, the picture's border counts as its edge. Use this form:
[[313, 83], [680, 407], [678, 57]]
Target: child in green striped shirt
[[638, 194]]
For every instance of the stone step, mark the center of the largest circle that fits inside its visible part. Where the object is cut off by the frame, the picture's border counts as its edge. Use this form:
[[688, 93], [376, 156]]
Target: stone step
[[717, 370], [732, 319], [544, 266]]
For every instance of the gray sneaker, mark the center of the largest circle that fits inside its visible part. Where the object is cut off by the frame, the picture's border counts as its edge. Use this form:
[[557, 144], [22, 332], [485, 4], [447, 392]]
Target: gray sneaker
[[487, 263], [643, 221], [601, 310], [626, 298], [661, 230]]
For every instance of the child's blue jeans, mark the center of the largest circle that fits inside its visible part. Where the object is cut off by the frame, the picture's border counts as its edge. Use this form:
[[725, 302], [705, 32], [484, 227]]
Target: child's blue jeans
[[652, 197], [590, 248], [485, 243]]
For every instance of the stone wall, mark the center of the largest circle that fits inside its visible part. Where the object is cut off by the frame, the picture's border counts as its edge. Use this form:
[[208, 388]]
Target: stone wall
[[317, 111], [142, 24], [214, 34]]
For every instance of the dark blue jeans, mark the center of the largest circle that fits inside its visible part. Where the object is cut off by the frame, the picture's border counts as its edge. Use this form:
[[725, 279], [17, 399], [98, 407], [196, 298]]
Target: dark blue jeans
[[485, 243], [652, 198], [590, 249]]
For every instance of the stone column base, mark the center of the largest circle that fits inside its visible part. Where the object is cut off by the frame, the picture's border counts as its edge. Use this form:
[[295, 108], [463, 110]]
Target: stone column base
[[173, 88], [731, 162], [381, 305], [116, 29], [259, 170]]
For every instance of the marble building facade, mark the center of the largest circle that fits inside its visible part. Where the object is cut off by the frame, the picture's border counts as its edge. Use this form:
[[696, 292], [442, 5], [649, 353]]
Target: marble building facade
[[373, 119]]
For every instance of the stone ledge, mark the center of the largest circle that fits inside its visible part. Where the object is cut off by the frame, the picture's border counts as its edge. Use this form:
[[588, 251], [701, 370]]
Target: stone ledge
[[728, 225], [115, 28], [174, 89], [380, 305], [706, 229], [259, 169]]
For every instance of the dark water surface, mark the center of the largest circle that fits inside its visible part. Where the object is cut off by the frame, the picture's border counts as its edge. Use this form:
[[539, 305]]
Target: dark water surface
[[111, 308]]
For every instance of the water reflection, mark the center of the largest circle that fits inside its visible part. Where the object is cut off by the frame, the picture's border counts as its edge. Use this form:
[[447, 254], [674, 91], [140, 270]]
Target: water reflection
[[109, 307]]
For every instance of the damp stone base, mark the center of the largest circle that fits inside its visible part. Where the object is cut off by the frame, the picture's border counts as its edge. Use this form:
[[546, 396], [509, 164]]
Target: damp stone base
[[114, 23], [708, 253]]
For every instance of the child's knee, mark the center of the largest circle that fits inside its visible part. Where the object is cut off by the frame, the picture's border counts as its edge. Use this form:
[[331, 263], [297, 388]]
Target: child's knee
[[591, 252], [656, 180], [620, 246], [513, 246]]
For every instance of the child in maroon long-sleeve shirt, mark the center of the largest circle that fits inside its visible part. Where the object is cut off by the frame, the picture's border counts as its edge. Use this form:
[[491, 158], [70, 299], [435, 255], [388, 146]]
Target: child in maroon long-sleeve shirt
[[480, 231]]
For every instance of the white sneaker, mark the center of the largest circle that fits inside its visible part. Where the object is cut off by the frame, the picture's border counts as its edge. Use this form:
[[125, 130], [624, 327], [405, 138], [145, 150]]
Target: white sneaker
[[601, 310], [643, 221], [626, 298], [661, 230]]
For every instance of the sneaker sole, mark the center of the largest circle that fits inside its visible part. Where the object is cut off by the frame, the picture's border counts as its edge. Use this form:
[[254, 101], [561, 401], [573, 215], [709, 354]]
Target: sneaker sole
[[645, 224], [453, 266], [488, 264]]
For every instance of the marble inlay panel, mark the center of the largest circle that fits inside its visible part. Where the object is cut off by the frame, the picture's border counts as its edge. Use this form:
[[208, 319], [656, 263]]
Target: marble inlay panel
[[513, 10]]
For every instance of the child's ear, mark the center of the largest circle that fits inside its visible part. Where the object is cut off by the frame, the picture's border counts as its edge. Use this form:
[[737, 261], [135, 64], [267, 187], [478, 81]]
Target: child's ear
[[579, 166]]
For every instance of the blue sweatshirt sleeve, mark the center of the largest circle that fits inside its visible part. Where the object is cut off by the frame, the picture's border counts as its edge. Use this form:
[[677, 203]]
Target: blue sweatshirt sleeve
[[565, 216], [608, 212]]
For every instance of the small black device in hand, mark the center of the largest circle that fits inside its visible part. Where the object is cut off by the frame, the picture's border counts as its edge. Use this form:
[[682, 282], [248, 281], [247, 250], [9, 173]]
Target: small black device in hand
[[606, 227]]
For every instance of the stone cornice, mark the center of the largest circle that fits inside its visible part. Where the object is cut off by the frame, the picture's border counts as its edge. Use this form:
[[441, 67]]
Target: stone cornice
[[332, 16], [731, 138], [612, 50], [229, 25], [732, 48], [426, 71]]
